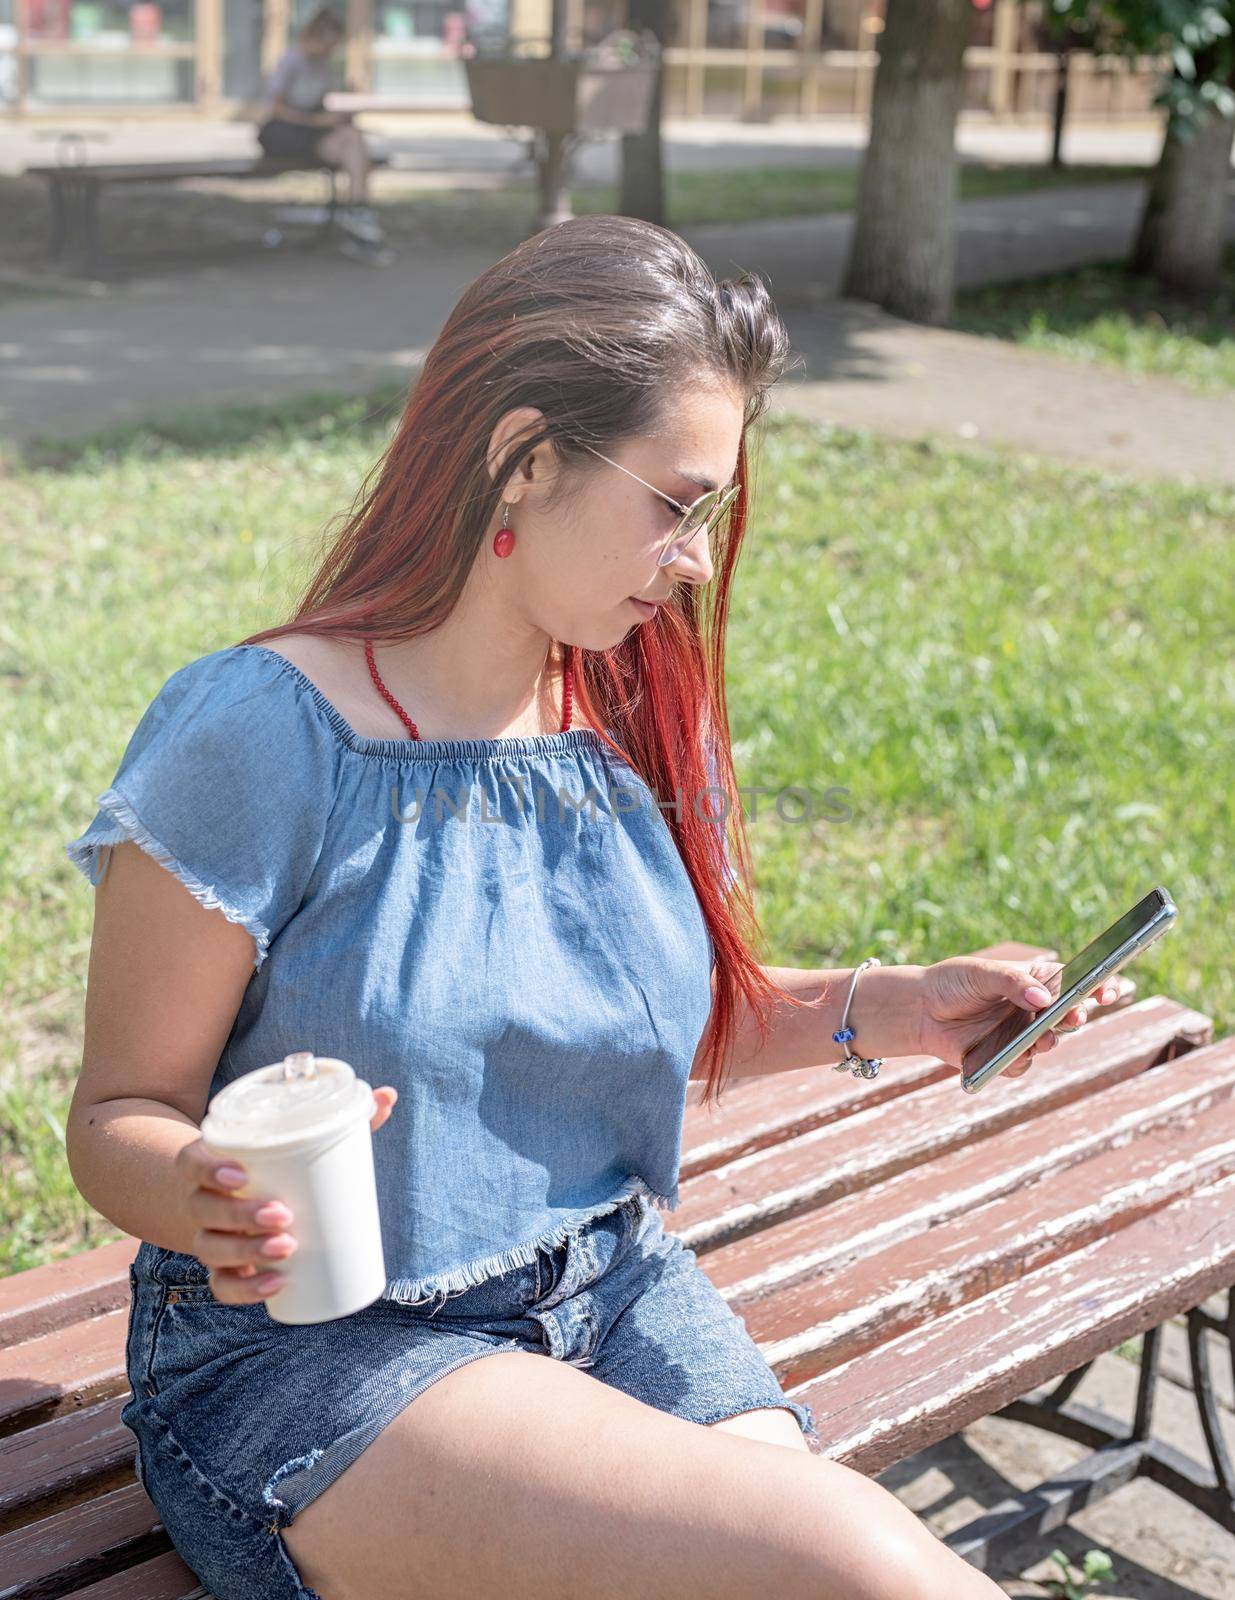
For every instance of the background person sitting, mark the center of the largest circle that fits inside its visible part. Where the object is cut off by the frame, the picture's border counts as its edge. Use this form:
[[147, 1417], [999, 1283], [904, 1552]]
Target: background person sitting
[[299, 125]]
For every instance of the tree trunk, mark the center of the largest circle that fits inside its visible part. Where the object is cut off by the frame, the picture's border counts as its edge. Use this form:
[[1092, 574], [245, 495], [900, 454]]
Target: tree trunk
[[1060, 113], [554, 151], [903, 253], [642, 187], [1182, 235], [557, 29]]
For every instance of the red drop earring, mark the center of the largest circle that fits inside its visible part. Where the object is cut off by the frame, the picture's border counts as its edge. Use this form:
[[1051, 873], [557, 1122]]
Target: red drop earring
[[504, 538]]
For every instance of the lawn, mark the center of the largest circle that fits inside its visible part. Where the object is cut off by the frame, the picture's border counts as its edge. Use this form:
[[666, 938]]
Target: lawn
[[1104, 313], [1019, 673]]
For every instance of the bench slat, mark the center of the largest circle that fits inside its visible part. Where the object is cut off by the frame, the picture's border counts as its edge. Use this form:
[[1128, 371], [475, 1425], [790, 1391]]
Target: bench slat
[[927, 1384], [57, 1554], [164, 1578], [926, 1197], [63, 1371], [173, 171], [818, 1167], [65, 1459], [814, 1327], [44, 1299]]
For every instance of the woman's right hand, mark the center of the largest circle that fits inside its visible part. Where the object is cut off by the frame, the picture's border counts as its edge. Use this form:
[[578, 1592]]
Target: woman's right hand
[[240, 1240]]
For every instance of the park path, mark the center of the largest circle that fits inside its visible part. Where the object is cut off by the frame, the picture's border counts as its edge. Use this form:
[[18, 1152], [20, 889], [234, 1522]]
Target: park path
[[865, 369], [860, 367], [255, 329]]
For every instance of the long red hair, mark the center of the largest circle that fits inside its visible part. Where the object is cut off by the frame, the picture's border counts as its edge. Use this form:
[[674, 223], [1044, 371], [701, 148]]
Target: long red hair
[[592, 322]]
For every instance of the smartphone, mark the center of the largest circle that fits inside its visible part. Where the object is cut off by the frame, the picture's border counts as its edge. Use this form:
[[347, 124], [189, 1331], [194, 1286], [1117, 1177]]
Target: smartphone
[[1011, 1036]]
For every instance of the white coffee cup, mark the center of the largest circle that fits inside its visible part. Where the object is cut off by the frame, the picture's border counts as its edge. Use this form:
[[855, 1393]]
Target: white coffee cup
[[301, 1130]]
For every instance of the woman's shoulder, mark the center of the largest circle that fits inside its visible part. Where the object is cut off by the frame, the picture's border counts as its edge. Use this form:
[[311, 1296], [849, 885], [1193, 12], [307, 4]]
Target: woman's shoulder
[[229, 675], [229, 780], [291, 64], [243, 705], [335, 674]]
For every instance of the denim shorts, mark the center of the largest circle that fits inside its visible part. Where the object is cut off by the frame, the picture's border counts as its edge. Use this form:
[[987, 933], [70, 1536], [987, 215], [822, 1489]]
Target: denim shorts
[[240, 1420]]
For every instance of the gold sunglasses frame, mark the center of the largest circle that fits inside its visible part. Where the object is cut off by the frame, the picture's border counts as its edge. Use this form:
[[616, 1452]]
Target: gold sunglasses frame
[[722, 505]]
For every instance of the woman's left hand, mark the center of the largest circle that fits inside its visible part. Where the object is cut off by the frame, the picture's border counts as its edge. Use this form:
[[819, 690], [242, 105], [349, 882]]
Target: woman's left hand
[[965, 996], [385, 1098]]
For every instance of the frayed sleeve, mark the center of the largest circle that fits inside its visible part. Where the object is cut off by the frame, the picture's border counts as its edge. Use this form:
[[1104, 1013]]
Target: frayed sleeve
[[228, 784]]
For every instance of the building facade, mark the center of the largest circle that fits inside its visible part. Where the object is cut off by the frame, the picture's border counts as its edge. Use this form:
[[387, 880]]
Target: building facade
[[754, 59]]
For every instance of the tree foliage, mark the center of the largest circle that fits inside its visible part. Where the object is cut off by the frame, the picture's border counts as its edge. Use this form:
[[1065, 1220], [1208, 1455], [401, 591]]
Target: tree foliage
[[1197, 36]]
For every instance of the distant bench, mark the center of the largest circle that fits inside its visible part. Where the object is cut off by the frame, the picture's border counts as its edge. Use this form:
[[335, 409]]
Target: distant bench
[[909, 1258], [75, 191]]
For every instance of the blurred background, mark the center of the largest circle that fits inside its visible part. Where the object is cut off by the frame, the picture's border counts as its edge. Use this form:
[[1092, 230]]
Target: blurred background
[[726, 57]]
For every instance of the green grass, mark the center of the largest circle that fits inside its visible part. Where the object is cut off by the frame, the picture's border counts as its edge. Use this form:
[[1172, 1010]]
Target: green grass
[[1106, 314], [769, 192], [146, 226], [1020, 672]]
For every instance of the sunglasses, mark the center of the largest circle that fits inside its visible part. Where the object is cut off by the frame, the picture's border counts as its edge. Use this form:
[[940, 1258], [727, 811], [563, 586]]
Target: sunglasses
[[705, 512]]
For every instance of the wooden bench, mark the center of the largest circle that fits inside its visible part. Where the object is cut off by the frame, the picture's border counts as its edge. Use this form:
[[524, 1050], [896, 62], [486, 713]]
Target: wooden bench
[[908, 1257], [75, 190]]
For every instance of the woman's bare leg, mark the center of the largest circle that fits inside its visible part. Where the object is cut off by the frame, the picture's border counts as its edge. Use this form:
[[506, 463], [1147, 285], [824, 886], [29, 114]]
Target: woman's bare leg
[[516, 1476], [345, 148], [771, 1424]]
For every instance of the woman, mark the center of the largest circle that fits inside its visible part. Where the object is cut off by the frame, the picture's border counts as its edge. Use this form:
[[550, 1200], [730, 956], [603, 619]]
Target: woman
[[342, 834], [298, 125]]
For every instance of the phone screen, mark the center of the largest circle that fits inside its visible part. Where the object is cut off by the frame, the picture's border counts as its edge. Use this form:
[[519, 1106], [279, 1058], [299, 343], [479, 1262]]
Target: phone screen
[[1093, 955]]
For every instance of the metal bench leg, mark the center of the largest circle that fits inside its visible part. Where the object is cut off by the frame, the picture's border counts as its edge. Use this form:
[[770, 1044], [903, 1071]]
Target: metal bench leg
[[1118, 1455], [1200, 1322], [91, 248], [59, 225], [72, 222]]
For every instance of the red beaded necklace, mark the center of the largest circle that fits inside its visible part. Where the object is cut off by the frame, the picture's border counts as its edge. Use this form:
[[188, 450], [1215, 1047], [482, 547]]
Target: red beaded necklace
[[567, 688]]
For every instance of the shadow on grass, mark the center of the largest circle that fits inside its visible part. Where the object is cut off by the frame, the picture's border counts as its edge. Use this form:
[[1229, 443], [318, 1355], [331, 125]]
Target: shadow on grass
[[213, 429]]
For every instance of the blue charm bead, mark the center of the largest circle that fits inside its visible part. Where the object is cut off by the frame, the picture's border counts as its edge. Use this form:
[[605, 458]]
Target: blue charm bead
[[859, 1065]]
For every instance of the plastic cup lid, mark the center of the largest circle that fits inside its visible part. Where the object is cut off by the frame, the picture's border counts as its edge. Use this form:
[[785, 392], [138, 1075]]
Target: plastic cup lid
[[301, 1095]]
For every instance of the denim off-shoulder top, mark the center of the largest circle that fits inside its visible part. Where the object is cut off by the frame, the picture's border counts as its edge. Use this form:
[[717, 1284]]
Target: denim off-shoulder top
[[502, 929]]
